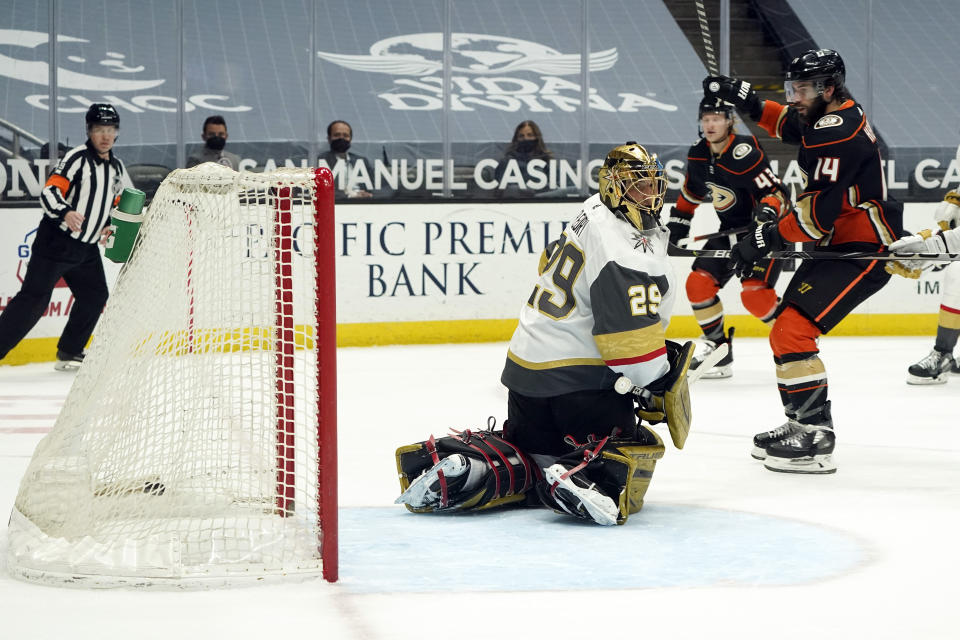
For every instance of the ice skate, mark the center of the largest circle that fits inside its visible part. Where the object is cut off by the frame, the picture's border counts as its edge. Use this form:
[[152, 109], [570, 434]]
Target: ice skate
[[68, 362], [425, 491], [807, 451], [579, 498], [933, 369], [763, 440], [723, 368]]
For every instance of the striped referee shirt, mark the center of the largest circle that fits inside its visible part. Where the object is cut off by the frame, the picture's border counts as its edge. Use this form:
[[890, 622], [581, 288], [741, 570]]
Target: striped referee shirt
[[87, 184]]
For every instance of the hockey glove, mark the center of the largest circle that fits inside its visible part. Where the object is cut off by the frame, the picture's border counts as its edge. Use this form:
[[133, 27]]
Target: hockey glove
[[924, 242], [679, 227], [759, 241], [737, 92], [765, 213], [947, 213]]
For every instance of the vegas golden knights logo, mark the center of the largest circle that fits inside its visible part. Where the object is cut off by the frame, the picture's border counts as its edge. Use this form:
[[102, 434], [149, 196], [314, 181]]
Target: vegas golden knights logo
[[804, 287]]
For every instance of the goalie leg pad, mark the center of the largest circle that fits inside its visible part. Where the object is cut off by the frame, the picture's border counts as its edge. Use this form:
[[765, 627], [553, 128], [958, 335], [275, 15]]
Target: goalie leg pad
[[470, 470], [604, 482]]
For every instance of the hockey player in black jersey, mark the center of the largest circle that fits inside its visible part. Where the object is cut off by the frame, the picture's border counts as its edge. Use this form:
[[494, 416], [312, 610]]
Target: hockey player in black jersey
[[598, 310], [844, 207], [733, 173]]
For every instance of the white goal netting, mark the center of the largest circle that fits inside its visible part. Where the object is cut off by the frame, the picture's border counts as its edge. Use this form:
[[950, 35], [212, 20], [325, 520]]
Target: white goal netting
[[187, 449]]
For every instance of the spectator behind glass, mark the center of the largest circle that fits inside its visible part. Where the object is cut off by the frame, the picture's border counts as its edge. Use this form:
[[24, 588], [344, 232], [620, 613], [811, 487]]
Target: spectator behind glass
[[526, 145], [214, 138], [339, 137]]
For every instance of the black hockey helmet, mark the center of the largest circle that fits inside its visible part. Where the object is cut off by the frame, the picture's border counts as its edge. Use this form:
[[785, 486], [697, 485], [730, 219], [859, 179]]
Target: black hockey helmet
[[713, 104], [822, 67], [102, 113]]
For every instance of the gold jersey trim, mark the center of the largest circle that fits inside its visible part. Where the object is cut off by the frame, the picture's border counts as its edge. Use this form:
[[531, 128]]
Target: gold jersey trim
[[555, 364]]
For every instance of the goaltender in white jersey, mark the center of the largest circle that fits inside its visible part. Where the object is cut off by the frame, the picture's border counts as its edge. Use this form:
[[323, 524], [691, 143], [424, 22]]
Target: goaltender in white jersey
[[599, 309]]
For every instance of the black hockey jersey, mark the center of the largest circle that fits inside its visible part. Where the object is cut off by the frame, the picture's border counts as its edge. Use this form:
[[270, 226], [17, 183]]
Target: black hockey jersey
[[735, 180], [845, 197]]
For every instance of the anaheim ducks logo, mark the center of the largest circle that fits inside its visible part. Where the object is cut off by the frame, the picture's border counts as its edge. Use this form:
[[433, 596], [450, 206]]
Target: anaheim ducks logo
[[829, 120], [723, 198], [742, 150]]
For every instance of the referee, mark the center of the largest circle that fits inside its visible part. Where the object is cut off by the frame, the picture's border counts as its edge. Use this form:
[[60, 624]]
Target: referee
[[76, 202]]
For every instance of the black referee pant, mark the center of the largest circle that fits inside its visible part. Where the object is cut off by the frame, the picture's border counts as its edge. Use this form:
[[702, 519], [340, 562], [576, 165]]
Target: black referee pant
[[56, 255]]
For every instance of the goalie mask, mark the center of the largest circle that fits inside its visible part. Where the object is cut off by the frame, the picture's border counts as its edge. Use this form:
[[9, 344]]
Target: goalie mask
[[632, 185]]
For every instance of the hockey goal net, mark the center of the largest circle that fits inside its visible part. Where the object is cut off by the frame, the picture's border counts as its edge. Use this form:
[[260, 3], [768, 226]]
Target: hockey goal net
[[197, 445]]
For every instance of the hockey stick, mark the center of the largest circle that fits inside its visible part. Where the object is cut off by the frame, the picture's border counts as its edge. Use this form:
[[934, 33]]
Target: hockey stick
[[707, 40], [711, 236], [624, 385], [682, 252]]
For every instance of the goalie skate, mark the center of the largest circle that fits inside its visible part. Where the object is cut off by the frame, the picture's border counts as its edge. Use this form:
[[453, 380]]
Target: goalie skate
[[578, 498], [933, 369], [425, 491]]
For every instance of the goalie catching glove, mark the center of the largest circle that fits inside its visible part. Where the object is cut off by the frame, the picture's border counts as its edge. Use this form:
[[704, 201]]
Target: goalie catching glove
[[667, 399]]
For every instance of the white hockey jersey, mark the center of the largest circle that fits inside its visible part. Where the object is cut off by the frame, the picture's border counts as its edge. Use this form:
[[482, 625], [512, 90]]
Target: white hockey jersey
[[598, 310]]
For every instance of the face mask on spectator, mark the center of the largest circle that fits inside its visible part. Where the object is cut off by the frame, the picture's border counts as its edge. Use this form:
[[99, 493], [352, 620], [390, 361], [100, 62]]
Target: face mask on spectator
[[526, 146], [339, 145], [216, 143]]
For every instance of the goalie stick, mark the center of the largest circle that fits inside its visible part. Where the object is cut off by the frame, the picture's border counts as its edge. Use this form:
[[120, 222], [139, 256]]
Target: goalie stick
[[624, 385], [682, 252]]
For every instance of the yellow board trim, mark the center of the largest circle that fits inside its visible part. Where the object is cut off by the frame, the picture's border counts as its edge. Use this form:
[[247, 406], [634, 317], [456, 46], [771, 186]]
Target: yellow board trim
[[365, 334]]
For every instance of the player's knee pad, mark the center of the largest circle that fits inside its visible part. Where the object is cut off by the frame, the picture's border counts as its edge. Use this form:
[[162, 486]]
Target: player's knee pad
[[793, 332], [701, 286], [619, 469], [759, 298], [490, 472]]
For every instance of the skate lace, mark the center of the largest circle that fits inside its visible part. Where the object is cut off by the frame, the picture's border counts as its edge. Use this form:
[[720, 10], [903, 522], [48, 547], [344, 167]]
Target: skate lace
[[786, 429], [932, 361]]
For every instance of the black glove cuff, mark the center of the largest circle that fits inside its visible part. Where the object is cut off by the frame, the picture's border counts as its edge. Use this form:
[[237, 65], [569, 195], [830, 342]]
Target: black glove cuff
[[755, 107]]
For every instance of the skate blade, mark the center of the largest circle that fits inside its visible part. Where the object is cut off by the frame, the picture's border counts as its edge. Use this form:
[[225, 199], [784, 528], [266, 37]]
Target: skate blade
[[66, 365], [918, 380], [601, 508], [758, 453], [717, 373], [807, 464]]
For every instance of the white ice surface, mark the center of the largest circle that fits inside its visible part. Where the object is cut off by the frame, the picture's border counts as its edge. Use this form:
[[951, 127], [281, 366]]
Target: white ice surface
[[722, 549]]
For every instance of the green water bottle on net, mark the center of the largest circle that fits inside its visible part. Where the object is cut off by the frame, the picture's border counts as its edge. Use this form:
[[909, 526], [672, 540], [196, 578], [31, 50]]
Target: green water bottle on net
[[125, 224]]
